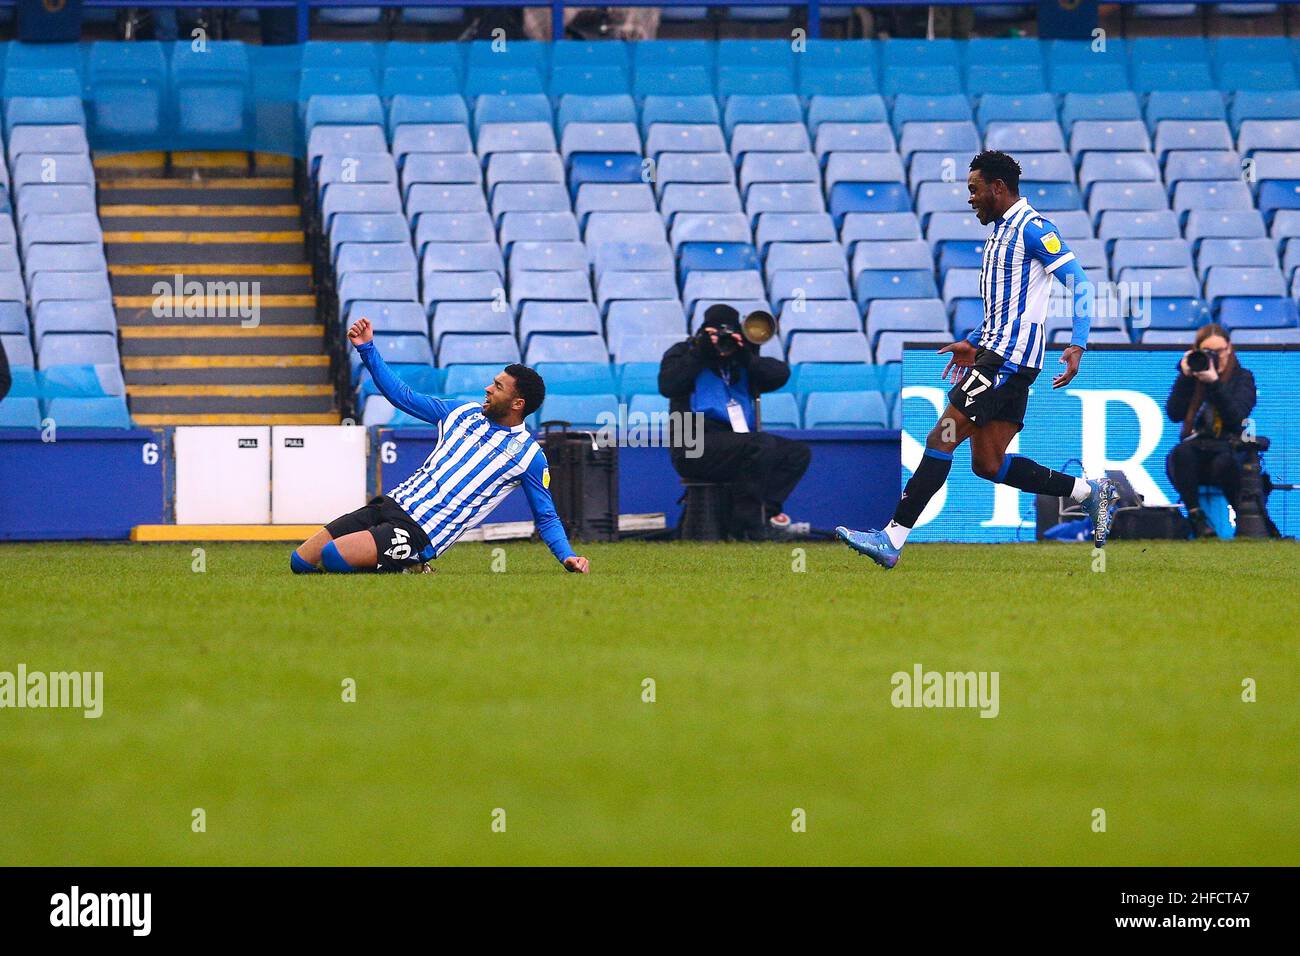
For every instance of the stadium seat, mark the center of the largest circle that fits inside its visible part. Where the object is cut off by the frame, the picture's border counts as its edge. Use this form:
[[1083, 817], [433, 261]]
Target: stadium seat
[[106, 412], [18, 411], [845, 410], [836, 347]]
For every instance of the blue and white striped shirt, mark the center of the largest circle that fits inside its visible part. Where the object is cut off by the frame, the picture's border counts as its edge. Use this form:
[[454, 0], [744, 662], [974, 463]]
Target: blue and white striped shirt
[[475, 465], [1020, 258]]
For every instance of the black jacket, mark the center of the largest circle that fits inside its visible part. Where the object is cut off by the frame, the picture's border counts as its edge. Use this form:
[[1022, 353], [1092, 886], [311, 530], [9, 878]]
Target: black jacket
[[6, 379], [683, 362], [1232, 400]]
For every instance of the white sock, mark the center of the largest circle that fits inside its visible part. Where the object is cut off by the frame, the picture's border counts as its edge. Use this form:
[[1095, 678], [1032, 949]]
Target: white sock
[[896, 533], [1081, 490]]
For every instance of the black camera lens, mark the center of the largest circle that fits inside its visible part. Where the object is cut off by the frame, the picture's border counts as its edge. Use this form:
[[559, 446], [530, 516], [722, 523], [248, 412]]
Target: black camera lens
[[1199, 360]]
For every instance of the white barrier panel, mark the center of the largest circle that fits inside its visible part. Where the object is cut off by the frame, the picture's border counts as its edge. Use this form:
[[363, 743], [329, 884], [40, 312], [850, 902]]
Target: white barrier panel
[[223, 474], [318, 472]]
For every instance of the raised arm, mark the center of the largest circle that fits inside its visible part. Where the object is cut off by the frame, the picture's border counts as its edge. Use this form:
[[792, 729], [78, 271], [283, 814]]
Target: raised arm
[[424, 407], [537, 481]]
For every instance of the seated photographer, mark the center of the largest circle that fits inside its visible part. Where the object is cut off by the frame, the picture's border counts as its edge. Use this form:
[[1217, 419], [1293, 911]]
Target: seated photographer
[[1211, 397], [717, 373]]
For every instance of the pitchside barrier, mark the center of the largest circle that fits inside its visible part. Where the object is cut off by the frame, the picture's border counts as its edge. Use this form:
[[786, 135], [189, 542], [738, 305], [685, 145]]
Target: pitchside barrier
[[1110, 418], [99, 483]]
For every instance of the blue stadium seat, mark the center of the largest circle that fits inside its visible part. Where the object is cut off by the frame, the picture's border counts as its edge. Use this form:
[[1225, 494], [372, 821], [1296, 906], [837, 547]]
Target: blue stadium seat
[[413, 81], [1242, 312], [914, 254], [967, 314], [1052, 197], [838, 347], [1133, 197], [769, 138], [1117, 106], [470, 318], [846, 410], [780, 410], [700, 109], [567, 318], [567, 286], [908, 284], [855, 107], [939, 79], [520, 197], [905, 315], [590, 107], [879, 226], [75, 349], [822, 315], [862, 167], [107, 412], [847, 198], [1087, 79], [487, 349], [1182, 313], [1223, 224], [513, 137], [698, 197], [580, 411], [889, 345], [565, 348], [19, 411], [672, 81], [644, 348], [708, 227], [643, 317], [1276, 195], [1259, 105], [1015, 107], [693, 168], [806, 284], [578, 378], [615, 286], [793, 227]]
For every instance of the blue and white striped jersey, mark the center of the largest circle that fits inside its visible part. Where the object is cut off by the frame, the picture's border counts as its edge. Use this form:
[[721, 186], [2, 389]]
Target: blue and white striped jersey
[[1020, 257], [474, 466]]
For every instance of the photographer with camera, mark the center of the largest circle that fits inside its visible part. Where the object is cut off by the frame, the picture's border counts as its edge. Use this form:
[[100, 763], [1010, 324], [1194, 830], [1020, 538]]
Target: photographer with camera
[[1211, 397], [717, 373]]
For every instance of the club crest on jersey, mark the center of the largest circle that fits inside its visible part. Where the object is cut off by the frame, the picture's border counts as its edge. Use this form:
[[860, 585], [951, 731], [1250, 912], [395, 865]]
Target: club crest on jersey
[[1052, 243], [515, 445]]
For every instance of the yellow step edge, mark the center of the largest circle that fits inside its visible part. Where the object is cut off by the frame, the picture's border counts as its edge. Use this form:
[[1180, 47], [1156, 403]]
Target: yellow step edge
[[219, 182], [160, 363], [228, 391], [273, 159], [177, 303], [234, 418], [221, 331], [208, 212], [210, 159], [206, 238], [214, 269], [146, 160], [223, 532]]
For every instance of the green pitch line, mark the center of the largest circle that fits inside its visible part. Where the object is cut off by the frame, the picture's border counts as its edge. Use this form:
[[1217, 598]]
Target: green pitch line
[[523, 691]]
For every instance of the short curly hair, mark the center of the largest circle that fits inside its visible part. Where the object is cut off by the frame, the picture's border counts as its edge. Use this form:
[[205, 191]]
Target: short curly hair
[[529, 385], [994, 164]]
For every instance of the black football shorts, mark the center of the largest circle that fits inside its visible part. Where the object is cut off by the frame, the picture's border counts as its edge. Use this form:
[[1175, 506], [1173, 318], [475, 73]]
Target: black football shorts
[[399, 539], [993, 390]]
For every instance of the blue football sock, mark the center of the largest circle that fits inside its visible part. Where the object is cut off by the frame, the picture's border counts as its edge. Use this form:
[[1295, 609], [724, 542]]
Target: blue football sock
[[334, 562], [300, 565]]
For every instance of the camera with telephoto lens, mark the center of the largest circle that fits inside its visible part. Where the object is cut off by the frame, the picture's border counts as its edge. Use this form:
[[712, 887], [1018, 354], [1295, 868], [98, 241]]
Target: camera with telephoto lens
[[1201, 359]]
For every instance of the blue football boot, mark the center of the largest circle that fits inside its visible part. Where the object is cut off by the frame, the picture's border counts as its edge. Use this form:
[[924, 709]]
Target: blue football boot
[[1100, 507], [874, 544]]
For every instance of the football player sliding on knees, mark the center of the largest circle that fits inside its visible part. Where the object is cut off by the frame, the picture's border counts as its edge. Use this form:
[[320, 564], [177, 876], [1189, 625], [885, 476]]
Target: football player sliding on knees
[[483, 454], [993, 368]]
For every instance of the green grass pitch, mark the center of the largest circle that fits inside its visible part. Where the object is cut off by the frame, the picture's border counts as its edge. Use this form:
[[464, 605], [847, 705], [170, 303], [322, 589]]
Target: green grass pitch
[[476, 690]]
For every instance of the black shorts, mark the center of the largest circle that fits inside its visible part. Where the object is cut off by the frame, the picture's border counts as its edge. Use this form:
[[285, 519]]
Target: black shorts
[[993, 390], [399, 539]]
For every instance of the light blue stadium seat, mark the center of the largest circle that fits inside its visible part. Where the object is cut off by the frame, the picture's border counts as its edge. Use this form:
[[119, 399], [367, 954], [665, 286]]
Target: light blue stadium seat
[[49, 286], [1256, 76], [461, 287], [905, 315], [443, 168], [638, 378], [672, 81], [955, 137], [1119, 106], [1224, 224], [1266, 337], [13, 318], [780, 410], [50, 169], [818, 315], [578, 378], [420, 83], [910, 254], [1260, 105], [594, 79], [846, 410], [1087, 79], [20, 411], [1052, 197], [592, 107], [1254, 283], [1183, 313], [739, 303], [1213, 194], [793, 227], [863, 167], [852, 108], [516, 198], [637, 227], [420, 109], [628, 256], [1025, 136], [874, 284], [128, 82], [580, 411], [967, 314], [511, 108], [486, 349], [76, 349], [644, 348], [878, 226], [698, 109], [1118, 167], [1000, 77], [770, 138], [102, 412], [836, 81], [566, 286], [778, 168], [1242, 312], [567, 318], [805, 255], [470, 318], [69, 315], [697, 197], [344, 110], [430, 138], [405, 318], [853, 137], [941, 197], [463, 257], [643, 317], [1134, 197], [722, 286], [480, 80], [362, 227], [566, 348], [771, 80], [537, 227], [806, 284], [834, 377], [960, 254], [1149, 224], [377, 286], [615, 286], [44, 111], [515, 168], [1281, 134], [883, 197], [783, 198], [758, 108], [1250, 253], [1015, 107], [683, 138], [546, 255], [838, 347], [889, 345], [709, 227], [693, 168], [23, 382], [939, 79], [375, 257], [1154, 75], [522, 137], [930, 108], [66, 138], [722, 256]]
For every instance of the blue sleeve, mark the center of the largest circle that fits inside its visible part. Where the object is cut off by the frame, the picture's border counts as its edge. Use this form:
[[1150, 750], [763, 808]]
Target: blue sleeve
[[537, 480], [424, 407], [1072, 276], [973, 336]]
